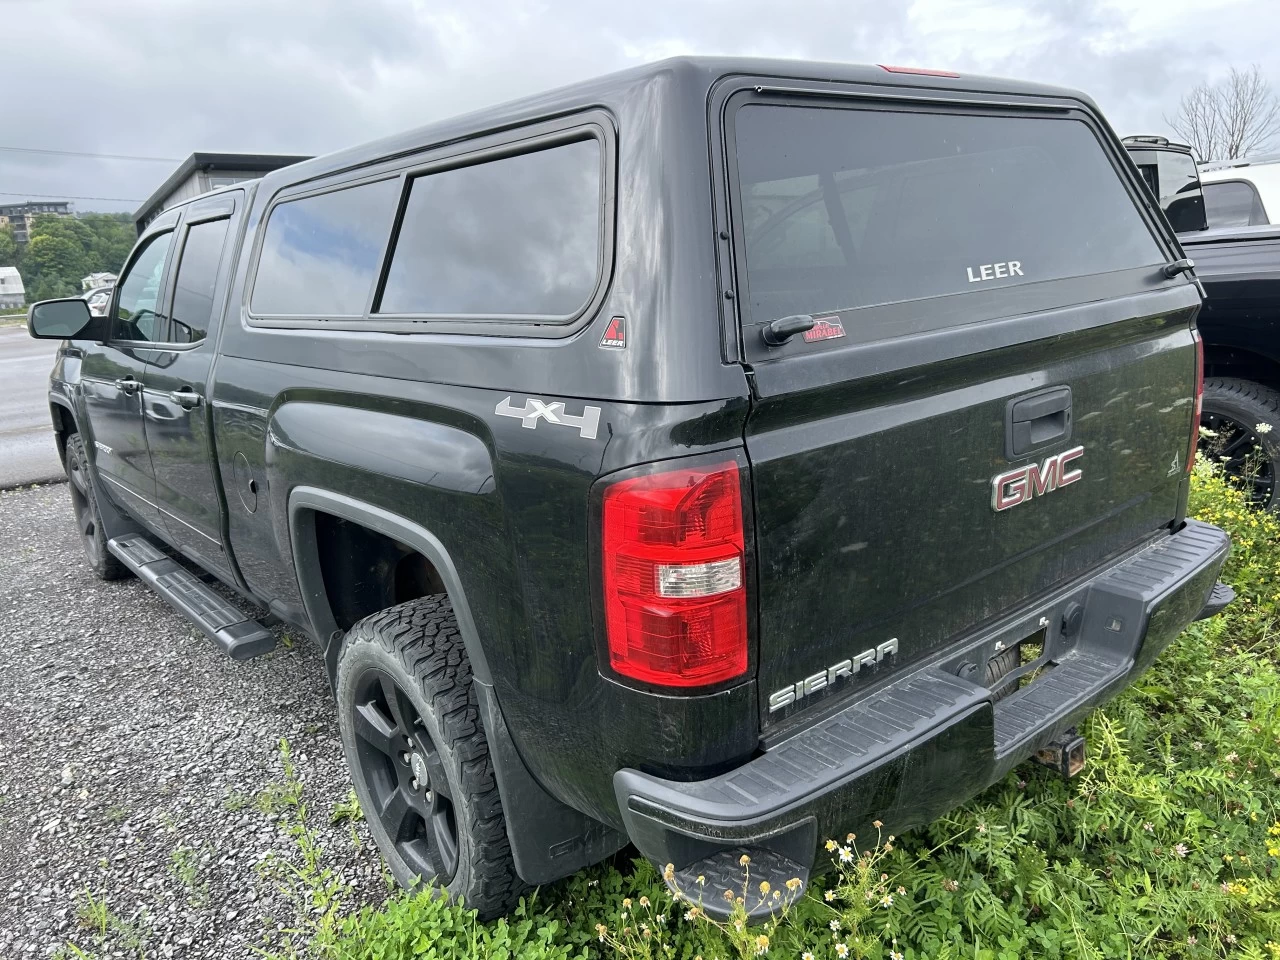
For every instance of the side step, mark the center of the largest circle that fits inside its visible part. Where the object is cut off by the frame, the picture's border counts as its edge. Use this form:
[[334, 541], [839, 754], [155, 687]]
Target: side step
[[238, 636]]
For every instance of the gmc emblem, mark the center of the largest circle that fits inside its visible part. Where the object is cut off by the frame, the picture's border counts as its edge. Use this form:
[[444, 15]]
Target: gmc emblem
[[1034, 480]]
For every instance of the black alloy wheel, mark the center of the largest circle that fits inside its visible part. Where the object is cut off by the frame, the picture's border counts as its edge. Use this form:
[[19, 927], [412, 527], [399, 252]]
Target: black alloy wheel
[[84, 504], [419, 758], [86, 522], [1238, 448], [401, 765]]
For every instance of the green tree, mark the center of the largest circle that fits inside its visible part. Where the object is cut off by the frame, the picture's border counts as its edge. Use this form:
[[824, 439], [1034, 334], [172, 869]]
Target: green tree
[[52, 266], [8, 247], [62, 250]]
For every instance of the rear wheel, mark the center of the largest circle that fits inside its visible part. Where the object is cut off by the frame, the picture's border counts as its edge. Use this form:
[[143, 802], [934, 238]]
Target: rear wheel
[[84, 503], [1241, 432], [418, 755]]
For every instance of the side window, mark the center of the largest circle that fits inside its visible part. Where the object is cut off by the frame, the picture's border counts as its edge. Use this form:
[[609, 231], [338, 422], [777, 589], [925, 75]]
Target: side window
[[1233, 203], [320, 253], [197, 276], [516, 237], [136, 307]]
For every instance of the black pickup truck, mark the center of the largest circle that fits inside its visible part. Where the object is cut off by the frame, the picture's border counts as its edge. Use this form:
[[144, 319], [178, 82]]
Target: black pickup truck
[[1239, 268], [719, 456]]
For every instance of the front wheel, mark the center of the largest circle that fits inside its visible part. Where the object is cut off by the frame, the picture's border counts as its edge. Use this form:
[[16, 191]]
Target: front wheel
[[413, 740], [84, 503], [1240, 431]]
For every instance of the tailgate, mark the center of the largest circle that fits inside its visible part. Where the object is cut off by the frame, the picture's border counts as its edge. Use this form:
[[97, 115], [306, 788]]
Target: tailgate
[[996, 393]]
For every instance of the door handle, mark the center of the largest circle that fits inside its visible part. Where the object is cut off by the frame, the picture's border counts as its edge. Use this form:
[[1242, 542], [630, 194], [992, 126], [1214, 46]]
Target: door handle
[[186, 398], [129, 385], [1036, 420]]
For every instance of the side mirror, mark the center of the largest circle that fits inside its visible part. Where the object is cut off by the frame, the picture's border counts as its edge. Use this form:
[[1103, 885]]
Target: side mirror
[[66, 319]]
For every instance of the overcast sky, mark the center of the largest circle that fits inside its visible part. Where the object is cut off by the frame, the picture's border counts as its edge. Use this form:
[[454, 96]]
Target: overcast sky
[[162, 78]]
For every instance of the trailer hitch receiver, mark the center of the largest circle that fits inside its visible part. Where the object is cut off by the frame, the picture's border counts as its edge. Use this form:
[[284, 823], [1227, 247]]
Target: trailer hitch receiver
[[1065, 754]]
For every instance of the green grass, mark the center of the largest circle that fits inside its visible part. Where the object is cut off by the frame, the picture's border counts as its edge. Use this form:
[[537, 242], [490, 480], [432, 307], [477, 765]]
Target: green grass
[[1167, 845], [109, 933], [184, 867]]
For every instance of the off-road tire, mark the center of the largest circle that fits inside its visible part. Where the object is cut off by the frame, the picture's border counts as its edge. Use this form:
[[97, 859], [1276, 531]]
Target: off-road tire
[[104, 564], [418, 644], [1250, 404]]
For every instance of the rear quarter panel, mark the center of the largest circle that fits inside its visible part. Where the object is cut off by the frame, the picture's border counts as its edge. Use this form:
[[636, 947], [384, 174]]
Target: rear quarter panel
[[510, 505]]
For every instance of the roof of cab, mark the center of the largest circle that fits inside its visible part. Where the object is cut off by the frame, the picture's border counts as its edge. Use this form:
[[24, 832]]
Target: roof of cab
[[693, 75]]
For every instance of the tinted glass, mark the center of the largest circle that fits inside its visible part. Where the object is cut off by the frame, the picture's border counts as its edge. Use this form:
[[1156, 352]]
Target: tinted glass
[[845, 209], [1179, 192], [513, 237], [1233, 203], [320, 253], [136, 316], [197, 275]]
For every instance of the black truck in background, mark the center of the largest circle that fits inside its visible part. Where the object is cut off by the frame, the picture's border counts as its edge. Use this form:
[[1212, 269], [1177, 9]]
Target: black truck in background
[[1239, 268], [653, 463]]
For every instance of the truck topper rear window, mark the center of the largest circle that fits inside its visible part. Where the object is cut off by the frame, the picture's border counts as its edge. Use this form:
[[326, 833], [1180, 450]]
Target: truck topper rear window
[[843, 209]]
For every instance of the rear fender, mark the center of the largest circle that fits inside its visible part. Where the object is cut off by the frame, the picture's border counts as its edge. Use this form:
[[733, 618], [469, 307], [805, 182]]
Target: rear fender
[[305, 502], [554, 840]]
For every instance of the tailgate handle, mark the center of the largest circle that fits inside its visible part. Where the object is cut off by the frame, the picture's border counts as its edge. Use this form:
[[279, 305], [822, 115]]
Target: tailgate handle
[[1036, 420]]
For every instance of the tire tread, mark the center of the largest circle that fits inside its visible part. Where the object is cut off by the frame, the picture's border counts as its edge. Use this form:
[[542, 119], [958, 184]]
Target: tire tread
[[1257, 402], [108, 566], [423, 635]]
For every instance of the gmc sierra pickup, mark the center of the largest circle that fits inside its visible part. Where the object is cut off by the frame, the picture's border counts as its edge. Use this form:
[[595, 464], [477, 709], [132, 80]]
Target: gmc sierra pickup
[[718, 456]]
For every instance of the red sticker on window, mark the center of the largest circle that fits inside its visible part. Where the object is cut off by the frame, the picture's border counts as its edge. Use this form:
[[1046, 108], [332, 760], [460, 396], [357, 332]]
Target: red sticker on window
[[824, 328], [615, 335]]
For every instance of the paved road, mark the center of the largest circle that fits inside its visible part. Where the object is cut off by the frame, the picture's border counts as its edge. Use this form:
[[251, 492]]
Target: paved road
[[27, 451]]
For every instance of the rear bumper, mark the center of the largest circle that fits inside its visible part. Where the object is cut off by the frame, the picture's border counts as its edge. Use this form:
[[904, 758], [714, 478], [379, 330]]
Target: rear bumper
[[931, 739]]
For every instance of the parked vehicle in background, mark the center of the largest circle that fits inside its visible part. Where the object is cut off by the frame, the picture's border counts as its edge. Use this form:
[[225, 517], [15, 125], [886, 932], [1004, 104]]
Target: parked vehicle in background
[[719, 456], [99, 300], [1169, 170], [1242, 193], [1239, 267]]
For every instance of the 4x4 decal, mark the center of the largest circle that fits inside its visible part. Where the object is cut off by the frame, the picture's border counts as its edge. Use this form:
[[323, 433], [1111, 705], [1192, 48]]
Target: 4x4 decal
[[552, 412]]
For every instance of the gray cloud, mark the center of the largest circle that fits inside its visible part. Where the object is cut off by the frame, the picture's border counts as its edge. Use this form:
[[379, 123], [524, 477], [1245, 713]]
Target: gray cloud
[[166, 77]]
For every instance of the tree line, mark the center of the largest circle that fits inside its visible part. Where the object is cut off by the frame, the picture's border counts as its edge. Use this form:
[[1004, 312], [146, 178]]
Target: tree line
[[1239, 116], [61, 250]]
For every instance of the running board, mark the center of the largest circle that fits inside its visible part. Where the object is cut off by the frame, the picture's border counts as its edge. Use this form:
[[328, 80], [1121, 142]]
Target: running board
[[238, 636]]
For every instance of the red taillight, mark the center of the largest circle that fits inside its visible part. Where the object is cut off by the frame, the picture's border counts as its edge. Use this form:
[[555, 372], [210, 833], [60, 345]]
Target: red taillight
[[675, 594], [1199, 404]]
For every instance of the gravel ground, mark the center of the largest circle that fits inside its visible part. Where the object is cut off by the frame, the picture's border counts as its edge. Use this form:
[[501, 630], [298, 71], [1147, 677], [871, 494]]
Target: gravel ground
[[137, 764]]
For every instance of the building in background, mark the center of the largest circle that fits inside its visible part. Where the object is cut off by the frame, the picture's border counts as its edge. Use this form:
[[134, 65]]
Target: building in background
[[202, 172], [12, 293], [97, 280], [20, 215]]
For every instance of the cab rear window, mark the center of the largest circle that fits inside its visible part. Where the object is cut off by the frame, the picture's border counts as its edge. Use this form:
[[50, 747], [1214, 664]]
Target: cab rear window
[[844, 210]]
